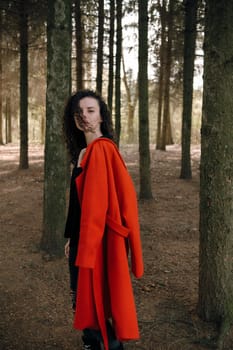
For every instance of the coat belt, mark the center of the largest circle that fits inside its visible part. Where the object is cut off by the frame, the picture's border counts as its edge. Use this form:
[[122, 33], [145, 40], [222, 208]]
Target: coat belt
[[117, 228]]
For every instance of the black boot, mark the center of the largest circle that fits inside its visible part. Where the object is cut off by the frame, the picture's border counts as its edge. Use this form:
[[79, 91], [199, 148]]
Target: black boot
[[120, 347], [90, 344]]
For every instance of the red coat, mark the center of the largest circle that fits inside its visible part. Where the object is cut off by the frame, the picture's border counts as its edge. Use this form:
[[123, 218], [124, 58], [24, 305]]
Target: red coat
[[109, 226]]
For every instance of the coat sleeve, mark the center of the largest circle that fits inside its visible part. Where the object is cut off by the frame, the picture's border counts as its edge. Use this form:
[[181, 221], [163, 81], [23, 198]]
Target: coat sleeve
[[94, 205]]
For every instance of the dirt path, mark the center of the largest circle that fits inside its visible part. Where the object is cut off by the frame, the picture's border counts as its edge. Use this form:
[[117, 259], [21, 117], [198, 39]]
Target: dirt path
[[35, 305]]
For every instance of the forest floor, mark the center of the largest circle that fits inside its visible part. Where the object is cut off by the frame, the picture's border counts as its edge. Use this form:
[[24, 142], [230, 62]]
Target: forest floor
[[34, 291]]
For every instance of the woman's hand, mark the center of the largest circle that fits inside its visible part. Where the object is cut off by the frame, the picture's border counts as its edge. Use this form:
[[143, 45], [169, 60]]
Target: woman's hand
[[67, 248]]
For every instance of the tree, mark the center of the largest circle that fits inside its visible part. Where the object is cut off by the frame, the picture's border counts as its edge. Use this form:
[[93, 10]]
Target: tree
[[168, 61], [79, 44], [216, 187], [22, 31], [111, 54], [100, 47], [189, 58], [144, 148], [1, 129], [8, 120], [166, 137], [131, 89], [23, 161], [58, 89], [118, 72], [162, 11]]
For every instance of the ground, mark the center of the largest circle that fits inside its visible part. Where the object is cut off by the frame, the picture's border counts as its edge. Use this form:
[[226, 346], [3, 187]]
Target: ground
[[35, 305]]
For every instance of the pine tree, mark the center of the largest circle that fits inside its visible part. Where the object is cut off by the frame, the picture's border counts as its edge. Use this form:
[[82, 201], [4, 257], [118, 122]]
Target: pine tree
[[58, 89], [189, 58], [216, 188], [144, 148]]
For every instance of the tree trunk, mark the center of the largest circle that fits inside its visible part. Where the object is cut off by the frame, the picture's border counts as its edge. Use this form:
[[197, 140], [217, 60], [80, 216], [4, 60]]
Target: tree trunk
[[168, 137], [144, 147], [89, 57], [166, 129], [58, 89], [1, 123], [216, 188], [79, 45], [118, 73], [1, 119], [8, 121], [161, 73], [42, 140], [111, 54], [23, 161], [99, 76], [131, 103], [188, 71]]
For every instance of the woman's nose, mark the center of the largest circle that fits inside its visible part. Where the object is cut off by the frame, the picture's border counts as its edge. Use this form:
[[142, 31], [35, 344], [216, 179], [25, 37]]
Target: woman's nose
[[83, 115]]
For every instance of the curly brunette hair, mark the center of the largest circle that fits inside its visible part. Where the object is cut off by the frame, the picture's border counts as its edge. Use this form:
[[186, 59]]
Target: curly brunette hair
[[75, 139]]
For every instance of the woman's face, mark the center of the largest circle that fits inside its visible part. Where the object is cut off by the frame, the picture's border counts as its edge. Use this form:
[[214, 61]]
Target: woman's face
[[88, 118]]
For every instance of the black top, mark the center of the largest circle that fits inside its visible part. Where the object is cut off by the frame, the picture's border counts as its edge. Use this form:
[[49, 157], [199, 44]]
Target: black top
[[74, 212]]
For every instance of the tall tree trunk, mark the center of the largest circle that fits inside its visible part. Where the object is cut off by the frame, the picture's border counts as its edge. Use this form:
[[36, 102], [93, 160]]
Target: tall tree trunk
[[58, 89], [166, 129], [189, 58], [162, 12], [131, 103], [168, 137], [111, 54], [1, 119], [79, 45], [216, 191], [88, 59], [118, 73], [42, 139], [144, 147], [23, 161], [8, 120], [99, 76]]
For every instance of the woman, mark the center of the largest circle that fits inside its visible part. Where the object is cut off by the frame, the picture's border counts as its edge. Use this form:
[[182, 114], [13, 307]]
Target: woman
[[102, 225]]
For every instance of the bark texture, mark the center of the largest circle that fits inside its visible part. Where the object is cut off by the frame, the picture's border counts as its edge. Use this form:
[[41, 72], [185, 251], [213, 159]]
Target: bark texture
[[162, 11], [118, 72], [1, 116], [100, 48], [79, 45], [144, 148], [23, 161], [132, 97], [111, 54], [58, 89], [166, 128], [189, 58], [216, 193]]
